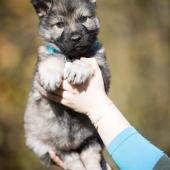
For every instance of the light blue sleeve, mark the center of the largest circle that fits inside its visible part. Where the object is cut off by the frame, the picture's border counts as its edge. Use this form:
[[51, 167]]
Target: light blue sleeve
[[131, 151]]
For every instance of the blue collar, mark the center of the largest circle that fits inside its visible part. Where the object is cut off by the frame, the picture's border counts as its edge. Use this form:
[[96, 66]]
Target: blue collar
[[51, 50]]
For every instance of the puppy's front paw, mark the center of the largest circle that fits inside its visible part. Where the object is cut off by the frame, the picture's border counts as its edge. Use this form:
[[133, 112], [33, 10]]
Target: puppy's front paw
[[50, 74], [77, 72], [50, 82]]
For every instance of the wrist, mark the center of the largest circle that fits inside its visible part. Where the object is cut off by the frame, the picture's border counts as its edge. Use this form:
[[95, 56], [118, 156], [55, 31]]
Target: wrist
[[98, 102], [107, 119], [98, 110]]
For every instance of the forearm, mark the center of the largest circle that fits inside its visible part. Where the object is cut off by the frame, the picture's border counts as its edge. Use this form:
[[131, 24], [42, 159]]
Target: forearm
[[128, 149], [110, 121]]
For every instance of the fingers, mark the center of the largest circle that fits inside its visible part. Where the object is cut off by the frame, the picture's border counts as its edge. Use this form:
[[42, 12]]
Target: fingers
[[56, 159], [60, 96], [56, 98], [63, 94], [68, 87]]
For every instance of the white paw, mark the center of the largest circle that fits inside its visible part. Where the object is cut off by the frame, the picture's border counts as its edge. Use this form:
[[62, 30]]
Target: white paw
[[50, 74], [77, 73]]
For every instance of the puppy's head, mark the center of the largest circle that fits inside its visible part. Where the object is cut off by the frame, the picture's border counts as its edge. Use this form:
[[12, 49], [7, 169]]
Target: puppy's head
[[70, 24]]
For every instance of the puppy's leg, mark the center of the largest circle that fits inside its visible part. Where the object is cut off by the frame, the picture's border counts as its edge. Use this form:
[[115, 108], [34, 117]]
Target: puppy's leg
[[40, 149], [51, 73], [73, 162], [92, 158]]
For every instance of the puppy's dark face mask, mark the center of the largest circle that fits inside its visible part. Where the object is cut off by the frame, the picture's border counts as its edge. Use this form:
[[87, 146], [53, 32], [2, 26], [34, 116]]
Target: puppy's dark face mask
[[72, 25]]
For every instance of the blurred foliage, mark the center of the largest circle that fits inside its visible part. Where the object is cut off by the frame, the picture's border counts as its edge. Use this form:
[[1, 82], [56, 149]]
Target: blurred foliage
[[136, 35]]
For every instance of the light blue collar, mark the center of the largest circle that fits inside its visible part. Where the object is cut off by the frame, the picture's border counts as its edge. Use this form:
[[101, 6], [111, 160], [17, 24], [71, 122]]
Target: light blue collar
[[51, 50]]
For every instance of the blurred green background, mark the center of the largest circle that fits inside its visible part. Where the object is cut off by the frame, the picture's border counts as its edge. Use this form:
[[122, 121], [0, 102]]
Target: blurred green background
[[136, 35]]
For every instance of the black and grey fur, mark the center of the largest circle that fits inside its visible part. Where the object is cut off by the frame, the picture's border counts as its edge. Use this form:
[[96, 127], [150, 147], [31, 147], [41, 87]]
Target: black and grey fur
[[71, 27]]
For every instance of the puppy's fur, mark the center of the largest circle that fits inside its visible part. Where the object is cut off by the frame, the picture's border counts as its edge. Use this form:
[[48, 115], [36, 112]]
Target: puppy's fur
[[70, 28]]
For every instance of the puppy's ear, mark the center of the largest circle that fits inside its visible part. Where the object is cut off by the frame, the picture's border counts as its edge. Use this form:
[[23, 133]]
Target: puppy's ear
[[42, 7]]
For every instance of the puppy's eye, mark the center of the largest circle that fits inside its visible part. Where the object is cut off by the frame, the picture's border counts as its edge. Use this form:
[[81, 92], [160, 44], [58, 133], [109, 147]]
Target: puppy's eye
[[83, 19], [60, 24]]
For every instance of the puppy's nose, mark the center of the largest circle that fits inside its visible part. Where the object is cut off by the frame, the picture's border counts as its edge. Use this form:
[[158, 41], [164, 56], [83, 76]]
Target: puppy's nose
[[75, 37]]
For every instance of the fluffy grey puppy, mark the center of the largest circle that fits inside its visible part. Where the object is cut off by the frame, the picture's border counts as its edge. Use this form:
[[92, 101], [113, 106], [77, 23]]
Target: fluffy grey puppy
[[69, 29]]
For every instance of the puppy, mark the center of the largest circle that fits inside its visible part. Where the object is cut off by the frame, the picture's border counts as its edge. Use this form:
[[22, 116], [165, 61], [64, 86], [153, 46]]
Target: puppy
[[69, 29]]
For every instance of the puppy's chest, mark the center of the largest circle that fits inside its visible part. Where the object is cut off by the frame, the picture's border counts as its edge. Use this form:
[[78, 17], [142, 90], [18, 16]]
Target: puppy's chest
[[72, 128], [67, 118]]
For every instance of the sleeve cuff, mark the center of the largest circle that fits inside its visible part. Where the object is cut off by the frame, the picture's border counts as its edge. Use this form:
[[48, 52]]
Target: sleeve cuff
[[131, 151]]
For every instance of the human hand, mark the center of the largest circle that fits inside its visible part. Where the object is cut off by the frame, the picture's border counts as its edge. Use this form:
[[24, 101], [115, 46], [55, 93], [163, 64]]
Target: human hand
[[90, 98], [81, 98]]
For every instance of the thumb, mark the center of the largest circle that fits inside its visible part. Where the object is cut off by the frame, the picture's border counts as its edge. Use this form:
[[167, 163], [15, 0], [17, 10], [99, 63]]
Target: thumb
[[91, 61]]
